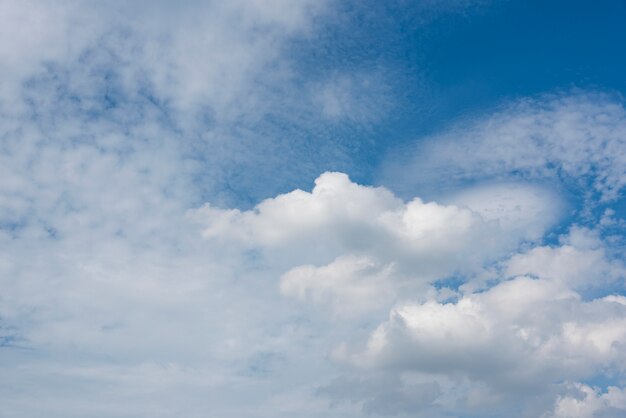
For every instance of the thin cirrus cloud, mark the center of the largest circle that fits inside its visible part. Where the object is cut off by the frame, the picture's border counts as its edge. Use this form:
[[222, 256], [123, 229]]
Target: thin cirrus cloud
[[576, 138]]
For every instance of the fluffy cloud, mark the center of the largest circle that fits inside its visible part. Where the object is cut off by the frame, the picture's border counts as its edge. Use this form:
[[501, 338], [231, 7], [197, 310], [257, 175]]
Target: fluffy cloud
[[515, 328], [584, 401], [349, 243], [341, 216], [577, 265], [520, 337], [118, 118], [348, 284], [521, 333]]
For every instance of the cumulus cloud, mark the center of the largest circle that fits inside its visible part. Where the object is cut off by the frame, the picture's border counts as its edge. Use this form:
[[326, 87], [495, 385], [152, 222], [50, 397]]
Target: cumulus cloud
[[339, 215], [584, 401], [520, 337], [118, 299], [521, 332], [517, 327], [348, 284], [577, 266], [345, 243]]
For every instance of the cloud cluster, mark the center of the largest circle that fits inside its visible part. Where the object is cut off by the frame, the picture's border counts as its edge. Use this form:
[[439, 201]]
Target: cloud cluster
[[584, 401], [350, 243], [121, 295], [519, 338], [519, 324], [522, 333], [111, 304]]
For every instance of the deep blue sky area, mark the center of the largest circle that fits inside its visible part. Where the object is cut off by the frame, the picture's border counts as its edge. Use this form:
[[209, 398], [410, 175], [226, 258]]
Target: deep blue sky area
[[445, 64], [527, 47]]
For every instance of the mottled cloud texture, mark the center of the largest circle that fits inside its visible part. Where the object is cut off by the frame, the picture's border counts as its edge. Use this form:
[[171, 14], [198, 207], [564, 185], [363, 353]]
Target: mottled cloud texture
[[181, 232]]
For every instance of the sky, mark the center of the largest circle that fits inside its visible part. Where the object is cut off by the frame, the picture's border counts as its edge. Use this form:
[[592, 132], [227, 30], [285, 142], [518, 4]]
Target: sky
[[312, 208]]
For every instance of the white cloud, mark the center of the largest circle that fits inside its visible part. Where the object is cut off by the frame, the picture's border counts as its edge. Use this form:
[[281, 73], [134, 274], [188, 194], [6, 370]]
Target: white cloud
[[588, 402], [578, 138], [193, 54], [492, 345], [349, 284], [117, 118], [578, 268], [515, 206], [345, 243], [521, 336], [107, 291], [338, 215]]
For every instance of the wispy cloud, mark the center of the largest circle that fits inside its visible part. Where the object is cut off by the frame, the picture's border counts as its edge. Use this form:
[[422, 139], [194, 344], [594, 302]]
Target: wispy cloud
[[572, 138]]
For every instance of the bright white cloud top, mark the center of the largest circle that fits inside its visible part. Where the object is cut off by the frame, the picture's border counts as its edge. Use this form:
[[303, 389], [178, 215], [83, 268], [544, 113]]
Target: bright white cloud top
[[201, 214]]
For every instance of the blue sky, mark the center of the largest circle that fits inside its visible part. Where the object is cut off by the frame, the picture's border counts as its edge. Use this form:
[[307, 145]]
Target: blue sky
[[329, 208]]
